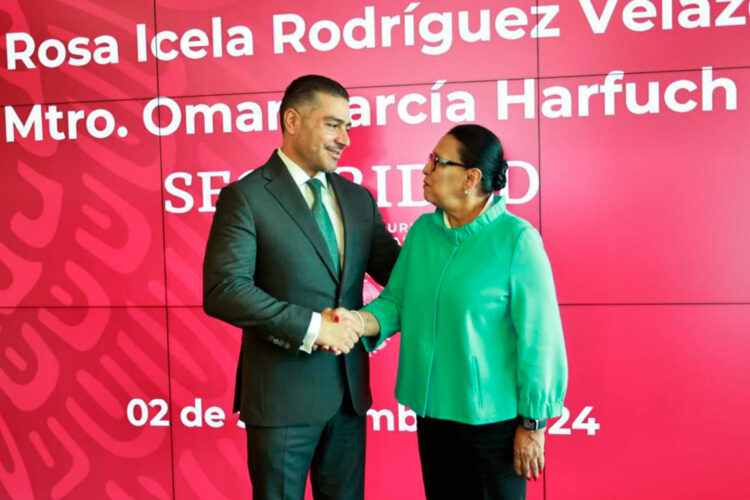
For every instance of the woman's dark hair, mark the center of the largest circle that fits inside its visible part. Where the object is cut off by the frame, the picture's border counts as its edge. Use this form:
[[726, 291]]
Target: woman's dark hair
[[304, 89], [480, 148]]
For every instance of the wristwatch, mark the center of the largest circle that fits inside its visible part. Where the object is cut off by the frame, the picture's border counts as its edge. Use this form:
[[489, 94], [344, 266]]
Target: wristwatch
[[532, 424]]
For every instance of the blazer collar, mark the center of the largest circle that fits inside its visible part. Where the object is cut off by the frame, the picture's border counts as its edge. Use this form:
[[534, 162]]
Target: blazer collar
[[457, 234]]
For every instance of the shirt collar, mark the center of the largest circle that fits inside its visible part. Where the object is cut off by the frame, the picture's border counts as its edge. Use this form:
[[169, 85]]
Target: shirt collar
[[299, 175]]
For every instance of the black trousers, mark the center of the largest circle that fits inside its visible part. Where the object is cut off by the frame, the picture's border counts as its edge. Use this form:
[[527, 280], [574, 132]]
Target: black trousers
[[279, 458], [468, 461]]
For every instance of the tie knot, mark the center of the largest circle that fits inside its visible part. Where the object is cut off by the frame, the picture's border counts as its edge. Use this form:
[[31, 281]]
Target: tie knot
[[316, 186]]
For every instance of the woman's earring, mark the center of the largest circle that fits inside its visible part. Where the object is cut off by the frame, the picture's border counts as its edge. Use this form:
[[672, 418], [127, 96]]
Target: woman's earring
[[466, 192]]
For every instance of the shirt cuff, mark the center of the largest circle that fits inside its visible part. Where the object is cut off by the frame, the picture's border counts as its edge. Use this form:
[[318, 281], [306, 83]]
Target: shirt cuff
[[313, 330]]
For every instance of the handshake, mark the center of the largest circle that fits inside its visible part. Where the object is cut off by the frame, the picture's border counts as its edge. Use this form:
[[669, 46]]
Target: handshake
[[340, 330]]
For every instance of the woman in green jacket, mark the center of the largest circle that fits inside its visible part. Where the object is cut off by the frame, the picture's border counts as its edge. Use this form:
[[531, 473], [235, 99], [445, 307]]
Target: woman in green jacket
[[482, 357]]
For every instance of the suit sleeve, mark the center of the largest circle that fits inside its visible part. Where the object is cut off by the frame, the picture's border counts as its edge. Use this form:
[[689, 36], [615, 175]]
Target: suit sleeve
[[384, 249], [229, 290], [542, 364]]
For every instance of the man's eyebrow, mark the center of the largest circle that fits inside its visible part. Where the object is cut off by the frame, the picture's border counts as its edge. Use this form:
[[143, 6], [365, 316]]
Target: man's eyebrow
[[337, 120]]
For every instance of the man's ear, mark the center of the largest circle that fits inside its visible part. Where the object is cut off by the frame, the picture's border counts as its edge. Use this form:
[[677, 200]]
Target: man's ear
[[291, 120]]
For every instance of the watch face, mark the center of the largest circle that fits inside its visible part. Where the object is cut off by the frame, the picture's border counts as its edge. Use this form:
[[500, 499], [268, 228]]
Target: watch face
[[531, 424]]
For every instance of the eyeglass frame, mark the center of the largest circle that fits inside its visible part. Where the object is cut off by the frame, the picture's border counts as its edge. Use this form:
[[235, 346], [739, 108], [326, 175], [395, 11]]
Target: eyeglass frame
[[435, 159]]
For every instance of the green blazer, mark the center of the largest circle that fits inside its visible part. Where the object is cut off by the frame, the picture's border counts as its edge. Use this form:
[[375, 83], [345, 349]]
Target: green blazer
[[481, 337]]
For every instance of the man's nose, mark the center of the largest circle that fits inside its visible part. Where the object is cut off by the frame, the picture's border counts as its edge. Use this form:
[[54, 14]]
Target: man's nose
[[343, 138]]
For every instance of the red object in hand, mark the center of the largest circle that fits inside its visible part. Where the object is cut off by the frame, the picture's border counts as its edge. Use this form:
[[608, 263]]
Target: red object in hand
[[335, 319]]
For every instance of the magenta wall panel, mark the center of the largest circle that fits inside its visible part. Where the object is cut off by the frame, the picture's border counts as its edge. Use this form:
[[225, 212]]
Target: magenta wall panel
[[662, 381], [82, 225], [653, 207], [76, 50], [84, 393], [426, 44], [210, 458], [598, 36]]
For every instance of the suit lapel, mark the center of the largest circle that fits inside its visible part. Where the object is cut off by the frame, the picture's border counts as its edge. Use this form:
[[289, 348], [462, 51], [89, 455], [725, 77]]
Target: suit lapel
[[283, 188], [348, 209]]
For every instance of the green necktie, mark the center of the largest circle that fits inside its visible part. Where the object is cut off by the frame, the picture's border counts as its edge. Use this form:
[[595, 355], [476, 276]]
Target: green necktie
[[324, 223]]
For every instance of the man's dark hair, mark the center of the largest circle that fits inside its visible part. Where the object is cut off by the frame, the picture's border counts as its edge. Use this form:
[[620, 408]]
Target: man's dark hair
[[480, 148], [303, 90]]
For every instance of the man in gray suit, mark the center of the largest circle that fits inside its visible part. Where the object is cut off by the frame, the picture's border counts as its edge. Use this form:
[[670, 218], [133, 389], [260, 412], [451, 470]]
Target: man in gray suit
[[288, 243]]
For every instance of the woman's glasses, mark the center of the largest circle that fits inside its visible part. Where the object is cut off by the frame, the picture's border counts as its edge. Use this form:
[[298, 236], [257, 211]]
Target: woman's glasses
[[435, 160]]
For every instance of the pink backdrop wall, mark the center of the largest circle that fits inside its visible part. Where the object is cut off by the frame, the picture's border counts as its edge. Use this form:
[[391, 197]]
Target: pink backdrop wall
[[627, 123]]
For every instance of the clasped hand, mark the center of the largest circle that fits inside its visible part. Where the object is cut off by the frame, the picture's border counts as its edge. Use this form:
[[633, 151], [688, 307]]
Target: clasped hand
[[340, 330]]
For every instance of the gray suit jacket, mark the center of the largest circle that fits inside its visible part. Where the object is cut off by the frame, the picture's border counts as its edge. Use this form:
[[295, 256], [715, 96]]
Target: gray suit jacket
[[267, 269]]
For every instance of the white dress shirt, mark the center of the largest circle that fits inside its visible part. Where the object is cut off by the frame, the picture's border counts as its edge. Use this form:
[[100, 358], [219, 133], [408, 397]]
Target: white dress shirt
[[334, 212]]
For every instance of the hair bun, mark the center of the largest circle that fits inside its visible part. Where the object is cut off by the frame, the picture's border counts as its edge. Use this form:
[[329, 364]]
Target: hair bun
[[500, 178]]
